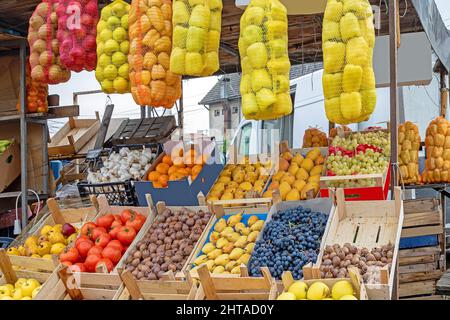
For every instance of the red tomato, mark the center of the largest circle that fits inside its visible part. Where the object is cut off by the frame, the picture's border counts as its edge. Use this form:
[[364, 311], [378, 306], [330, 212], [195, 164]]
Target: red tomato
[[108, 263], [117, 218], [115, 244], [136, 221], [117, 224], [126, 235], [81, 239], [126, 215], [87, 228], [103, 240], [91, 262], [105, 221], [96, 232], [114, 230], [112, 253], [95, 250], [83, 247], [70, 255], [77, 267]]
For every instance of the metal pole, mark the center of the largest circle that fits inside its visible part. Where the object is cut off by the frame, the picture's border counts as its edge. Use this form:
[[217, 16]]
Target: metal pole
[[23, 134], [142, 112], [180, 111], [444, 91], [393, 91], [45, 169]]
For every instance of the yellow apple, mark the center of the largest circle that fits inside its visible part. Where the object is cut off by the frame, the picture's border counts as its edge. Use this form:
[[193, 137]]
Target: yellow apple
[[57, 228], [13, 251], [22, 251], [47, 256], [31, 240], [26, 298], [5, 291], [29, 286], [19, 282], [72, 238], [57, 248], [56, 237], [6, 298], [10, 286], [17, 294], [35, 255], [35, 292], [44, 248], [45, 230]]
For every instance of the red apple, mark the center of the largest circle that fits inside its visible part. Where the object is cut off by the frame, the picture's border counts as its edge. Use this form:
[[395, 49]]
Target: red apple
[[89, 43], [87, 20], [91, 9], [68, 229]]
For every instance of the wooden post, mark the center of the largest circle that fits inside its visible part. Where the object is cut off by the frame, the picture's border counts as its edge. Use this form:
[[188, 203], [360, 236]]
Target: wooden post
[[55, 210], [207, 283], [131, 285], [70, 284], [6, 268], [444, 92]]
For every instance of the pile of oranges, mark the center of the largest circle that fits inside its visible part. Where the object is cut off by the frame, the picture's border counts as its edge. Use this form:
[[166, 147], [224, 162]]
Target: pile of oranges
[[177, 166]]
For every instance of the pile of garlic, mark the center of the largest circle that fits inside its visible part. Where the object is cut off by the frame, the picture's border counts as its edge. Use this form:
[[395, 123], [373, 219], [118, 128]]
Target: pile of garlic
[[122, 166]]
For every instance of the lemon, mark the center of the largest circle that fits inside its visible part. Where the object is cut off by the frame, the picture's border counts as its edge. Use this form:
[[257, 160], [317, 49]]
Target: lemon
[[110, 72], [125, 47], [118, 59], [113, 22], [107, 86], [120, 34], [124, 70], [104, 60], [106, 13], [99, 74], [111, 46], [120, 85], [105, 35]]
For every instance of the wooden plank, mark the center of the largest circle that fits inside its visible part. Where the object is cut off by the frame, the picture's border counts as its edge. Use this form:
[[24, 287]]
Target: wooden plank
[[432, 297], [97, 294], [131, 285], [34, 263], [71, 287], [101, 135], [403, 261], [6, 267], [419, 251], [422, 231], [417, 288], [420, 205], [207, 283], [420, 276], [421, 267], [422, 219]]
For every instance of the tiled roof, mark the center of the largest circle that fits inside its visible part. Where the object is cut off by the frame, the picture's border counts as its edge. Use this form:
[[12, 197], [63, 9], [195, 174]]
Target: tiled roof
[[213, 96]]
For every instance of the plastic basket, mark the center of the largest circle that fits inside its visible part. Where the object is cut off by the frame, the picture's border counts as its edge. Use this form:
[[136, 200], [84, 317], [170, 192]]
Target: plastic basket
[[117, 193]]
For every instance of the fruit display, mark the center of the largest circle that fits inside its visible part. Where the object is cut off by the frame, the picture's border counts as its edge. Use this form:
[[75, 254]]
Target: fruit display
[[348, 39], [197, 26], [338, 130], [123, 165], [358, 153], [112, 70], [408, 150], [4, 144], [77, 21], [318, 290], [231, 243], [177, 166], [51, 240], [437, 146], [337, 259], [263, 47], [103, 242], [45, 62], [314, 138], [241, 181], [152, 83], [290, 240], [167, 244], [23, 289], [37, 93], [297, 176]]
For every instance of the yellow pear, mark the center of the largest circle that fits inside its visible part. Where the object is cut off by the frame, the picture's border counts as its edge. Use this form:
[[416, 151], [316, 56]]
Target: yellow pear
[[341, 288], [318, 291], [299, 289], [286, 296], [293, 195]]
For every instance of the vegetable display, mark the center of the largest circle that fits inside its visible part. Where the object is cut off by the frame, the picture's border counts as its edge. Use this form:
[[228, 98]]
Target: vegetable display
[[437, 146], [152, 83], [167, 244], [348, 39], [263, 47], [408, 149], [22, 289], [45, 62], [103, 242], [112, 70], [196, 37], [77, 21]]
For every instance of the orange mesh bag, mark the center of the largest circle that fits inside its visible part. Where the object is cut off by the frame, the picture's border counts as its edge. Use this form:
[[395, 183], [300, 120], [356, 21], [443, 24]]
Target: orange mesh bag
[[152, 82], [314, 138], [46, 66], [408, 150], [77, 21], [437, 146], [37, 93]]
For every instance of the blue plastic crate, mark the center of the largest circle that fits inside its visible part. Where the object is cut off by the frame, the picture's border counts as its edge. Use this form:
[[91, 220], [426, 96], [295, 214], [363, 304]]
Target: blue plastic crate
[[419, 242]]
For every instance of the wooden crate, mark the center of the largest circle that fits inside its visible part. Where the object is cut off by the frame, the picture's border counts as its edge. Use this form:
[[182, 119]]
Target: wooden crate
[[168, 288], [73, 136], [235, 287], [13, 267], [224, 209], [160, 207], [64, 285], [367, 224]]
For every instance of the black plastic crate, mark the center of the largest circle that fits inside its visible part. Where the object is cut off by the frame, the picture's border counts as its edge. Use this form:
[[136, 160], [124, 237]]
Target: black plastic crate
[[117, 193]]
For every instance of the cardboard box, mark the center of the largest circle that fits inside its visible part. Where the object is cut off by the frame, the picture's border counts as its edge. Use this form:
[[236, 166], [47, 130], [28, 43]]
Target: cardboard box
[[9, 165], [9, 83]]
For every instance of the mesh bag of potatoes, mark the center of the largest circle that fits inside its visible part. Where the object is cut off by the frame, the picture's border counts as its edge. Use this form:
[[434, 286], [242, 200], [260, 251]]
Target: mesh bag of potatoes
[[263, 47], [408, 148], [314, 138], [196, 37], [437, 144], [113, 48], [150, 31], [45, 62], [348, 39], [297, 177]]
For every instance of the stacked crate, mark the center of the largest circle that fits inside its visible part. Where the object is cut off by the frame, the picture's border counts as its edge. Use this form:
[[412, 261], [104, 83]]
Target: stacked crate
[[422, 252]]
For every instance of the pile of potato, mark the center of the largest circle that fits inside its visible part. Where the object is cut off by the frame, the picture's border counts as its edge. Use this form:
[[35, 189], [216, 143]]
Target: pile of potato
[[408, 148], [437, 143], [314, 138]]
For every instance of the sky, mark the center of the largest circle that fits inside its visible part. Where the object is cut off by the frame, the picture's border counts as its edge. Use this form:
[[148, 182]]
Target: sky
[[196, 118]]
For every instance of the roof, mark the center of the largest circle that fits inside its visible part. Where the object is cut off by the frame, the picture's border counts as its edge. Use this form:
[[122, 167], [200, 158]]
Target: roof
[[213, 96]]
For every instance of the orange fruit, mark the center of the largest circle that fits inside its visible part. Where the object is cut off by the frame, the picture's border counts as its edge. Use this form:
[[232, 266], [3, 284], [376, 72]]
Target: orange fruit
[[196, 169], [153, 176], [189, 170], [183, 172], [172, 170], [157, 185], [167, 159], [194, 176], [162, 168], [178, 161], [163, 179]]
